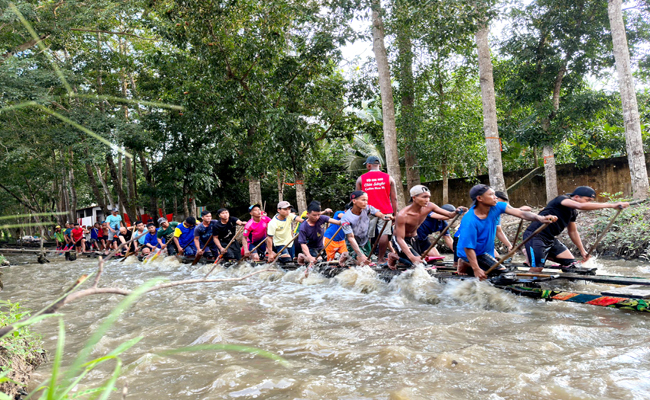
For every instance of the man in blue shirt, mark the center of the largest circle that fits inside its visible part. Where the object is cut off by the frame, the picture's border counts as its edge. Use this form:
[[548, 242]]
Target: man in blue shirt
[[478, 230], [150, 239]]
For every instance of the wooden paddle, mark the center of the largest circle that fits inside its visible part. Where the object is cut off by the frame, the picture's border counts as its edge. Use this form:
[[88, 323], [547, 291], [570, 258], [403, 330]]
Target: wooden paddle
[[441, 234], [258, 245], [129, 253], [225, 251], [311, 265], [603, 233], [514, 240], [374, 246], [515, 249], [199, 256]]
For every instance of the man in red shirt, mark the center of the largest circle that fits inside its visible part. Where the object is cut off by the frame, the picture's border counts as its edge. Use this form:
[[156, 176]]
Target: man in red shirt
[[382, 195], [78, 239]]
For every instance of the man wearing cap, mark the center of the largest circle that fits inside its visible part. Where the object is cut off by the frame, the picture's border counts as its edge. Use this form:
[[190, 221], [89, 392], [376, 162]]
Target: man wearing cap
[[409, 220], [59, 237], [225, 228], [433, 223], [382, 195], [279, 232], [184, 237], [114, 222], [165, 235], [355, 223], [312, 231], [545, 245], [255, 232], [78, 240], [477, 232], [203, 235]]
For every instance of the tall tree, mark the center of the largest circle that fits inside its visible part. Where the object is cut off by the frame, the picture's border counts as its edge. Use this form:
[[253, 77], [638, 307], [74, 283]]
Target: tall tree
[[633, 139], [490, 126], [388, 106]]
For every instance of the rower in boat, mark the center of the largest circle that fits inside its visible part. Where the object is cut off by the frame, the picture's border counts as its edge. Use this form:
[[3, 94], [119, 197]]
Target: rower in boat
[[203, 233], [279, 233], [503, 197], [59, 238], [409, 220], [140, 233], [124, 236], [477, 232], [150, 239], [255, 233], [78, 240], [356, 226], [184, 237], [224, 229], [312, 231], [165, 235], [545, 245], [337, 238], [433, 223]]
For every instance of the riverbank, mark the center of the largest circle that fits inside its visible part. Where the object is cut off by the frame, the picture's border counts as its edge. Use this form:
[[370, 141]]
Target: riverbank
[[629, 236], [20, 353]]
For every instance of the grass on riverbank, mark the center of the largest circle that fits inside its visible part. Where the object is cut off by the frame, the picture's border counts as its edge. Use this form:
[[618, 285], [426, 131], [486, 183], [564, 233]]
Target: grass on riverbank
[[21, 351]]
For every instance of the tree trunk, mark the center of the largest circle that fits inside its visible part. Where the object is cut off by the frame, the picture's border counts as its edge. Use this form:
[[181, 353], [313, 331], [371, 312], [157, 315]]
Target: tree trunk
[[116, 181], [193, 210], [445, 184], [186, 210], [281, 176], [93, 185], [255, 191], [133, 202], [176, 207], [408, 123], [107, 193], [151, 187], [301, 196], [73, 195], [121, 198], [633, 140], [388, 107], [490, 127], [549, 172]]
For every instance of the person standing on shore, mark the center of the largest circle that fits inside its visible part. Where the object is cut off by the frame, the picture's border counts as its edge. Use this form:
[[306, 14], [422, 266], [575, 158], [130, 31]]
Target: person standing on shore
[[382, 195]]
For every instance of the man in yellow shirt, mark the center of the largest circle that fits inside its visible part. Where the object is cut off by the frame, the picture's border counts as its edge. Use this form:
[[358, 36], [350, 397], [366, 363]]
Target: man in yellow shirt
[[279, 232]]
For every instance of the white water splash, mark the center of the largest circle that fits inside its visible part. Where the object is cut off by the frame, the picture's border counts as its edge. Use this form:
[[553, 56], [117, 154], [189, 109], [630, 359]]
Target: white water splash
[[417, 284], [360, 279], [481, 295]]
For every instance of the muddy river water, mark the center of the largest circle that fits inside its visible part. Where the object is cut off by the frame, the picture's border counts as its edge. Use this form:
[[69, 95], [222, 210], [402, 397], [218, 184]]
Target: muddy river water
[[350, 337]]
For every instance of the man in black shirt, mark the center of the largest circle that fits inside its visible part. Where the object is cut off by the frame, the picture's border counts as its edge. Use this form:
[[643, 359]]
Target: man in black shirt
[[223, 230], [545, 245]]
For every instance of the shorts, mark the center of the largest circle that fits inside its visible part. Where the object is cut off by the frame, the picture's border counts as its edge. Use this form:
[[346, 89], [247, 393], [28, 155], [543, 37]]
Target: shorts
[[539, 249], [336, 247], [283, 257], [260, 250], [190, 250], [422, 245], [365, 249], [376, 224], [411, 243], [77, 243], [234, 251], [485, 262]]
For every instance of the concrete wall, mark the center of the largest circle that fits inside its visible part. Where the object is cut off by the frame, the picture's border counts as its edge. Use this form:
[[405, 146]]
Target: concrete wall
[[611, 175]]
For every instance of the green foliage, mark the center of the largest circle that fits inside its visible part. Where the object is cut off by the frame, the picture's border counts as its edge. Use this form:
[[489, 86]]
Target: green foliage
[[21, 342]]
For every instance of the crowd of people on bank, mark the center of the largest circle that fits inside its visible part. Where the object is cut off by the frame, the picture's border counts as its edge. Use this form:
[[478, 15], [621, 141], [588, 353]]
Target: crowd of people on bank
[[372, 216]]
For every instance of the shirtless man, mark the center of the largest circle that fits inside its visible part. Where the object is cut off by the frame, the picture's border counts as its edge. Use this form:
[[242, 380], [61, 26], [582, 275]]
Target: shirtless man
[[409, 219]]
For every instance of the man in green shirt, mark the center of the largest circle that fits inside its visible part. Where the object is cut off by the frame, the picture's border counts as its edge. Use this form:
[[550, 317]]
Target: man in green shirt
[[166, 235], [59, 237]]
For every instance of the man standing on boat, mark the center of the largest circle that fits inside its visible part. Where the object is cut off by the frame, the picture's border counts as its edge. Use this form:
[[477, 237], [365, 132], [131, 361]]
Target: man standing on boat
[[382, 195], [545, 245], [409, 220], [114, 222], [478, 230], [312, 232], [225, 228]]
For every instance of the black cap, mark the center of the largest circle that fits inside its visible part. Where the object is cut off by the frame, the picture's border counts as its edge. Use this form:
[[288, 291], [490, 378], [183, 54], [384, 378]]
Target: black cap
[[449, 207], [477, 190], [253, 206], [584, 191], [190, 221], [501, 195], [205, 212], [356, 194], [372, 160]]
